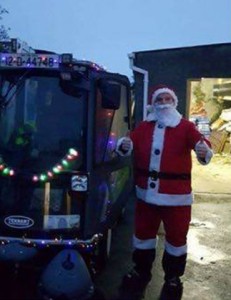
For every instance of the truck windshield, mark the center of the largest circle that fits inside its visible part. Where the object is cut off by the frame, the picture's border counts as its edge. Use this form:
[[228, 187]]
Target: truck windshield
[[39, 123]]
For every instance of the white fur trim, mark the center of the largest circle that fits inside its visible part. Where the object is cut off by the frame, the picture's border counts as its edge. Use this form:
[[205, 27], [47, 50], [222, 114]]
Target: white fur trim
[[144, 244], [175, 251], [157, 143], [165, 90], [153, 197]]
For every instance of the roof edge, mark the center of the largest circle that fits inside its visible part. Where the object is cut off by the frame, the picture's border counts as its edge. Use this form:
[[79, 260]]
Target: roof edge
[[185, 47]]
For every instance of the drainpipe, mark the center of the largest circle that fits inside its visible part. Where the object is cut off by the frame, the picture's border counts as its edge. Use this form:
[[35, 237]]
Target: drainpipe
[[131, 57]]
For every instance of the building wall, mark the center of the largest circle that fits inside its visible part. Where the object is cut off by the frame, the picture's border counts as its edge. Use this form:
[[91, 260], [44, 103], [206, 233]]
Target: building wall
[[175, 66]]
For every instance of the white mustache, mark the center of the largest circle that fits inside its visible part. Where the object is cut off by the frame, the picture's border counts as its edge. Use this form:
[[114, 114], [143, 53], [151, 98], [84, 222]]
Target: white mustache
[[163, 106]]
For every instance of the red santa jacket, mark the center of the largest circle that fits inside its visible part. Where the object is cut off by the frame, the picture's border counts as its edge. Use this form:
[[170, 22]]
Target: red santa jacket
[[162, 162]]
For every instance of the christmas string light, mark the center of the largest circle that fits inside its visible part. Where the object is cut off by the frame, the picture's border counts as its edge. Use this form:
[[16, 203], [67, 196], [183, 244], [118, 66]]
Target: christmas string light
[[89, 244], [72, 155]]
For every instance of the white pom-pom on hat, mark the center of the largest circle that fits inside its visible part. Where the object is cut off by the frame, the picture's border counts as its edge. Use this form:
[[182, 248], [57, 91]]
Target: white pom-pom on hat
[[160, 89]]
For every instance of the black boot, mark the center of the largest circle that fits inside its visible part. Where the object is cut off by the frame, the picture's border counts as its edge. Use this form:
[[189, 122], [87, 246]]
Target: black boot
[[172, 289], [135, 282], [174, 267]]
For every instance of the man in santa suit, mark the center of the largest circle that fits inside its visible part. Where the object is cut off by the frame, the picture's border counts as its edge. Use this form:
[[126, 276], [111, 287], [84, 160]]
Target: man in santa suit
[[162, 147]]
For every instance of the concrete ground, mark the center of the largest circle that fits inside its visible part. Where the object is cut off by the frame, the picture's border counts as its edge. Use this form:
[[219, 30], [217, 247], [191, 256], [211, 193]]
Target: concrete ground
[[208, 271]]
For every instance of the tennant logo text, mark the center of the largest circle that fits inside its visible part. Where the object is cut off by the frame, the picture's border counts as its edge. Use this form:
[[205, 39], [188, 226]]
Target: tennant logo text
[[18, 222]]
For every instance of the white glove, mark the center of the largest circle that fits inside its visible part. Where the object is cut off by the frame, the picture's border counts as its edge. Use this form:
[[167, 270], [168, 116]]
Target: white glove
[[203, 152], [201, 149], [126, 144]]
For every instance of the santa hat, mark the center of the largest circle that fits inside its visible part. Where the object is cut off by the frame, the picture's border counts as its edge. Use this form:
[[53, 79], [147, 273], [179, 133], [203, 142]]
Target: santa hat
[[160, 89]]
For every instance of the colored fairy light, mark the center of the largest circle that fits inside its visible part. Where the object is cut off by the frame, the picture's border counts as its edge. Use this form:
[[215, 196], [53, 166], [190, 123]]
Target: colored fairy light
[[55, 170], [50, 174], [11, 172], [64, 163], [73, 152], [43, 177], [86, 245], [6, 171], [35, 178]]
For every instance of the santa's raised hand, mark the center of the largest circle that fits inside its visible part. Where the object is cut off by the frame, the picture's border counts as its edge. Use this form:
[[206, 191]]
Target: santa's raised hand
[[201, 148], [126, 144]]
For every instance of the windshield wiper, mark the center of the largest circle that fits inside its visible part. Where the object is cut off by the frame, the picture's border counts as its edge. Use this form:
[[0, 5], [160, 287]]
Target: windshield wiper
[[3, 98], [4, 102]]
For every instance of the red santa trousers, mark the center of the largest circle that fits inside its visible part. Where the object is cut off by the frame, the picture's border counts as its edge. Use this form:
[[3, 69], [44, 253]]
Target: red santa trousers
[[176, 221]]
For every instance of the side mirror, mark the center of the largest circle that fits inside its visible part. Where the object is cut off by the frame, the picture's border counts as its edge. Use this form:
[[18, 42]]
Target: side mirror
[[110, 92]]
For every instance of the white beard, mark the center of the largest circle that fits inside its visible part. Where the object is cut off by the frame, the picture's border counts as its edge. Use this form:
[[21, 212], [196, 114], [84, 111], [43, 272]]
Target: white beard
[[165, 114]]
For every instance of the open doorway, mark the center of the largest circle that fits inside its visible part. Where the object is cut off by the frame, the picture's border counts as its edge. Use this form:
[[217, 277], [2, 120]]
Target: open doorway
[[210, 109]]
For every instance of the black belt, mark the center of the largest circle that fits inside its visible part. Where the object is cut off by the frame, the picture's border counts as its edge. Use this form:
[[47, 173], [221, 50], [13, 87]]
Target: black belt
[[162, 175]]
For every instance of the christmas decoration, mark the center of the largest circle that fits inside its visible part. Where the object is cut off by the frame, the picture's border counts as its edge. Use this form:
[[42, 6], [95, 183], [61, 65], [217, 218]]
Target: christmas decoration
[[72, 155]]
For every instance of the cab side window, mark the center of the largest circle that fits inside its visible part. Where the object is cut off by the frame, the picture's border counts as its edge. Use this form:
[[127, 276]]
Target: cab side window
[[110, 125]]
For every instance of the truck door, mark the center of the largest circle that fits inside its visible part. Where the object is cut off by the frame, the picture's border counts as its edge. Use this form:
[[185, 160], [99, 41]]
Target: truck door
[[110, 174]]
